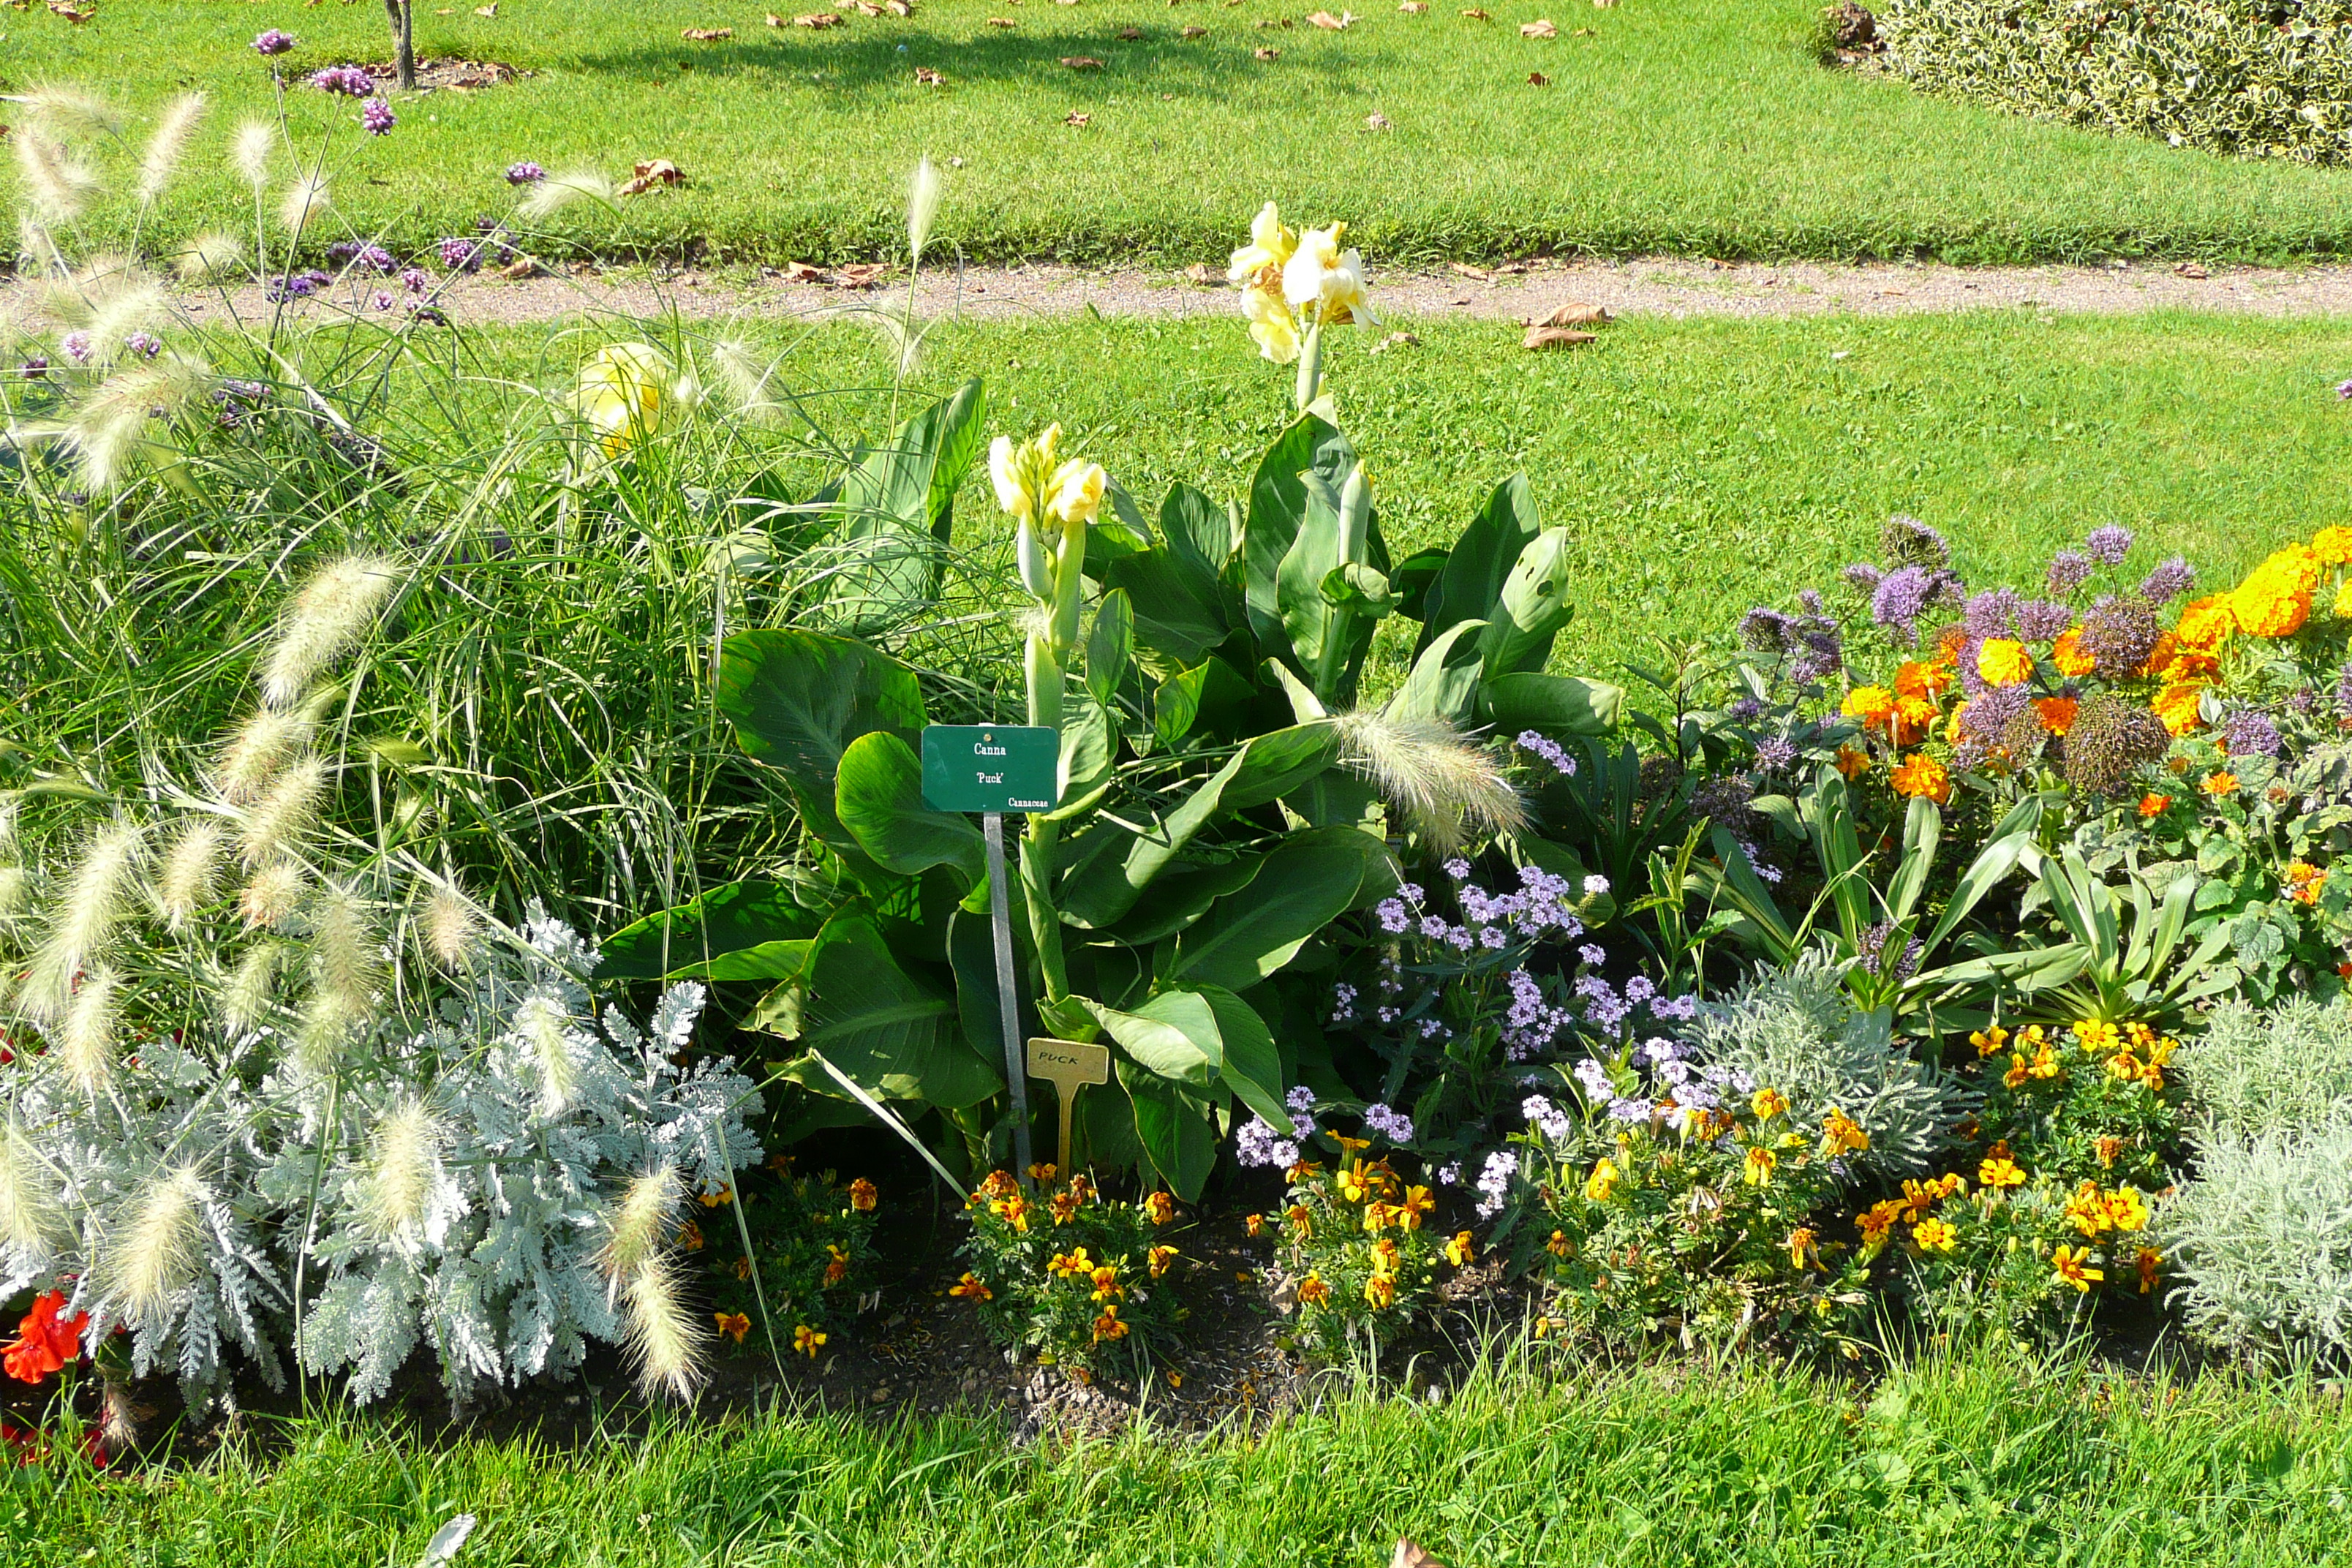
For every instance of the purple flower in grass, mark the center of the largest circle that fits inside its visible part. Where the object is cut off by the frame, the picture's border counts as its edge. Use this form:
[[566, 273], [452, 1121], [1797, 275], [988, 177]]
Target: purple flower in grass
[[2344, 389], [36, 367], [2170, 580], [2069, 570], [377, 117], [350, 80], [415, 280], [461, 255], [273, 42], [525, 173], [1899, 600], [146, 346], [2108, 544]]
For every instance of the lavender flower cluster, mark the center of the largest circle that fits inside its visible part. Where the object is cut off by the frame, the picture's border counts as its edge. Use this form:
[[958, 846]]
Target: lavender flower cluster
[[273, 42], [362, 256], [1258, 1142], [1811, 641], [377, 117], [1659, 1073], [1549, 750], [525, 173], [296, 286], [350, 80], [1541, 908]]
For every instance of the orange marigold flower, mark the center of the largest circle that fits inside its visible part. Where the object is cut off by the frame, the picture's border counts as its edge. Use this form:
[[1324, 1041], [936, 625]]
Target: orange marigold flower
[[2146, 1263], [2067, 653], [1160, 1207], [2073, 1267], [2160, 658], [2107, 1146], [1380, 1291], [1921, 679], [2153, 805], [1257, 1223], [1314, 1291], [807, 1341], [1841, 1135], [742, 1268], [2176, 705], [2220, 782], [1853, 761], [1460, 1251], [1558, 1246], [1921, 775], [1759, 1166], [1108, 1327], [2206, 624], [2057, 713], [690, 1237], [1767, 1103], [2274, 600], [2304, 881], [2003, 662], [1801, 1242], [1106, 1283], [862, 1195], [1914, 717], [998, 1184], [734, 1325], [969, 1286], [1871, 704]]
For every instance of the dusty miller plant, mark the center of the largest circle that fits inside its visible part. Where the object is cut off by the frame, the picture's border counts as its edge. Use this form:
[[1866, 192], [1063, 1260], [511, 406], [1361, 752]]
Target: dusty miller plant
[[2263, 1240], [2283, 1068], [1796, 1030]]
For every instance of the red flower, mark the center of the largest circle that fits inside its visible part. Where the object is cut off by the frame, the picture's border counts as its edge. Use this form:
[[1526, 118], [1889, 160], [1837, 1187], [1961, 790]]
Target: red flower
[[44, 1341]]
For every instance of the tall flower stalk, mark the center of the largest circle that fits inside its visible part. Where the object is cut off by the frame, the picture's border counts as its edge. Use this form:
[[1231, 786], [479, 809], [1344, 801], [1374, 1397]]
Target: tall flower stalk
[[1293, 286]]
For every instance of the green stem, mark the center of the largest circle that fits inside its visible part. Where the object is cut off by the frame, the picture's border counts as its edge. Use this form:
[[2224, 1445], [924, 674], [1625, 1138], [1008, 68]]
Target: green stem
[[1043, 667], [1310, 366]]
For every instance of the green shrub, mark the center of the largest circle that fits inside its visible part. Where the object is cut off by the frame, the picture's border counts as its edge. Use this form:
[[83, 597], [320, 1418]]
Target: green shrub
[[2270, 80], [1359, 1265], [1068, 1275], [2263, 1239], [2277, 1069]]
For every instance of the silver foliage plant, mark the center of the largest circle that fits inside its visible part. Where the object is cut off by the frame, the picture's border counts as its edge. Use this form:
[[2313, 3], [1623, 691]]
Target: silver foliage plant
[[1796, 1030], [292, 1089], [2261, 1235]]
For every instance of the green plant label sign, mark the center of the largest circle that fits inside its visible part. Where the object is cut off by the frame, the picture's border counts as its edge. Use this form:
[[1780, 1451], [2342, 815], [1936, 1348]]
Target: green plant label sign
[[989, 767]]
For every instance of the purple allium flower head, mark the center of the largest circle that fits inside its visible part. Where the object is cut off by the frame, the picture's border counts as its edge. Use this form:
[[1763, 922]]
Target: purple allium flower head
[[1775, 753], [1988, 715], [2170, 580], [2119, 634], [36, 367], [525, 173], [76, 347], [427, 315], [2040, 620], [2108, 544], [146, 346], [1764, 629], [352, 80], [1862, 578], [1810, 601], [2069, 570], [1907, 542], [273, 42], [1875, 950], [377, 117], [1992, 614], [1899, 600], [2249, 734]]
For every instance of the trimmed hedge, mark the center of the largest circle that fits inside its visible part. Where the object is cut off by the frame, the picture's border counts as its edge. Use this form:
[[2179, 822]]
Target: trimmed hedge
[[2271, 79]]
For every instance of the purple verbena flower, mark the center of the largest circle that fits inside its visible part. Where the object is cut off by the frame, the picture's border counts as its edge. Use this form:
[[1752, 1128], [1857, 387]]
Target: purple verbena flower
[[377, 117], [273, 42], [461, 255], [76, 347], [2344, 389], [2109, 543], [1549, 750], [36, 367], [146, 346], [525, 173], [350, 80], [415, 280]]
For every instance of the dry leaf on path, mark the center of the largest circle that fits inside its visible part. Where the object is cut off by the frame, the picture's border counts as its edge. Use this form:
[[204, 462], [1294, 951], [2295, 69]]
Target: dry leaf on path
[[1467, 271], [1196, 32], [1330, 24], [70, 12], [863, 275], [651, 175], [519, 267], [925, 76], [490, 10], [1079, 117], [1540, 27], [1537, 78], [1200, 274], [2191, 269], [1408, 1555], [1554, 338], [819, 20], [1573, 315], [1002, 22], [1376, 121], [866, 7], [1267, 54], [1082, 62], [1412, 7], [801, 272], [711, 35], [1394, 341]]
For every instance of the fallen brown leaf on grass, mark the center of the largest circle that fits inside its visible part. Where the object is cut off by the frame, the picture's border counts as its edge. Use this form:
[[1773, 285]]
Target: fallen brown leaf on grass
[[1573, 315], [1408, 1555], [75, 13], [1585, 32], [1130, 34], [490, 10], [1199, 275], [1082, 62], [1330, 24], [1554, 338], [1002, 22], [1603, 4], [651, 175], [1267, 54], [2191, 269], [1394, 341], [866, 7], [1537, 78], [898, 7], [1540, 27], [711, 35], [1412, 7], [1196, 32], [1464, 267], [801, 272], [1476, 15], [819, 20], [1078, 118], [862, 275], [925, 76], [1376, 121], [521, 267]]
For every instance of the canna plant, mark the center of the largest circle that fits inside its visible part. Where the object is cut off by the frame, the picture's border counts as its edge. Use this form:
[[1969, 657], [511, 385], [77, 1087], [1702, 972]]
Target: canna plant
[[1224, 794]]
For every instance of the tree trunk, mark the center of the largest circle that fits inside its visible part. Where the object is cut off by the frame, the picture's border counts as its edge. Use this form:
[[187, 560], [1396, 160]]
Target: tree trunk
[[404, 42]]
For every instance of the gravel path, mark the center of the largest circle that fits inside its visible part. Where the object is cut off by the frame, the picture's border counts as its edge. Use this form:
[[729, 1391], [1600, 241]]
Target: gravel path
[[1658, 287]]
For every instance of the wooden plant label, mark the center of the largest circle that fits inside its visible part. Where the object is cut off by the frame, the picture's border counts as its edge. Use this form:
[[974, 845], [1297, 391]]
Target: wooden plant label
[[1068, 1064]]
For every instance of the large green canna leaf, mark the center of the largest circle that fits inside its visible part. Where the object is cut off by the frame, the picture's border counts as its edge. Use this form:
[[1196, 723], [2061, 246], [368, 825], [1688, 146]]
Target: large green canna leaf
[[738, 932], [1253, 1066], [1198, 530], [895, 1035], [797, 698], [1173, 1034], [878, 795], [1531, 608], [1308, 881], [1469, 584], [1277, 506], [1182, 894], [1178, 603], [1176, 1126], [1443, 683], [1210, 699], [1553, 705], [896, 511], [1110, 643]]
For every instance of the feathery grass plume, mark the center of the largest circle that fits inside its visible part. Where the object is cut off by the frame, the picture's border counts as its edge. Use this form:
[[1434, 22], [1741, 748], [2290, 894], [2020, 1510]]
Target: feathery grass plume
[[306, 197], [117, 421], [85, 1037], [208, 257], [120, 303], [923, 191], [56, 183], [249, 153], [553, 194], [81, 925], [284, 815], [270, 896], [637, 1223], [667, 1344], [66, 112], [544, 1027], [151, 1256], [32, 1221], [190, 872], [747, 381], [161, 158], [330, 613], [403, 1163], [346, 971], [14, 883], [246, 1000], [250, 763], [449, 928], [1444, 786], [905, 336]]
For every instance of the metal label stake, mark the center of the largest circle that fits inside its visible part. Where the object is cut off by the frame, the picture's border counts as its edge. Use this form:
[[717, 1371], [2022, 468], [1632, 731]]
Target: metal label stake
[[1008, 1001]]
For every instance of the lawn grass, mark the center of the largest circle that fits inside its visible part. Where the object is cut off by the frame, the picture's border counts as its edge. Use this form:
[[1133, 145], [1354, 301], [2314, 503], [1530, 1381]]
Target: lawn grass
[[1700, 127], [1704, 465], [1980, 1460]]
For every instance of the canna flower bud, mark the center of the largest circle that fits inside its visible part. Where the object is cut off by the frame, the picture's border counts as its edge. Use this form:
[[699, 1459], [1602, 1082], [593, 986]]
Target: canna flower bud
[[1036, 570]]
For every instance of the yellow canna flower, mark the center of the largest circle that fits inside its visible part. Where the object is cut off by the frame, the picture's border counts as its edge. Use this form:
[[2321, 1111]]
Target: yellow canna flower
[[1326, 284], [620, 394], [1270, 246], [1021, 472], [1078, 491], [1272, 326]]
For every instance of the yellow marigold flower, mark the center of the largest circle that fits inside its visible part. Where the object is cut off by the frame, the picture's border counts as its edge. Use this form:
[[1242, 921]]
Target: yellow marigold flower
[[2016, 1074], [969, 1286], [1921, 775], [1459, 1251], [1378, 1216], [1921, 679], [1041, 1171], [1851, 761], [712, 1200], [2087, 1211], [1841, 1135], [1801, 1242], [2126, 1209], [1302, 1220], [1916, 1199], [2003, 662], [1871, 704], [1380, 1291], [2045, 1063], [2220, 782], [807, 1341], [1951, 1184], [2304, 881], [1071, 1264], [2206, 624], [1417, 1202], [2057, 713], [1560, 1246], [1160, 1207], [1952, 725], [2176, 705], [1257, 1223], [1759, 1166], [1105, 1282], [2096, 1034], [1988, 1041], [2000, 1175], [2107, 1146], [1878, 1219], [734, 1325], [2067, 654], [1065, 1206], [742, 1267], [2333, 546], [1108, 1327], [1014, 1211], [2343, 605], [2274, 600], [1601, 1183], [2146, 1263], [2161, 658], [2073, 1266], [863, 1196], [1767, 1103], [1933, 1236]]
